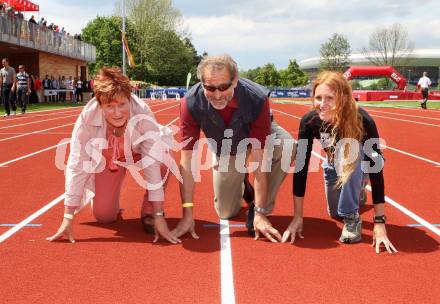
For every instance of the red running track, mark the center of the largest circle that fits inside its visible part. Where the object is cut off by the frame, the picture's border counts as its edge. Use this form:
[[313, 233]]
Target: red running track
[[118, 262]]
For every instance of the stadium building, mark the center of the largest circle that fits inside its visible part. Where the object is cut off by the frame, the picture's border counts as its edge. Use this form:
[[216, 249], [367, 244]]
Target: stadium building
[[42, 51], [419, 61]]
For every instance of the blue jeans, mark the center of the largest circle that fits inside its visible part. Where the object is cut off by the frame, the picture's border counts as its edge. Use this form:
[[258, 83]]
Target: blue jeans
[[344, 201]]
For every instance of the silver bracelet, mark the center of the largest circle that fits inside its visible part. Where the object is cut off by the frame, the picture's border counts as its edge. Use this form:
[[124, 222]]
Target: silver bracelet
[[263, 211], [159, 214]]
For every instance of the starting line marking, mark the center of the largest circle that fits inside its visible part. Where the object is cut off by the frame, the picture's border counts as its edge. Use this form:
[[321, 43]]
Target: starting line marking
[[30, 218]]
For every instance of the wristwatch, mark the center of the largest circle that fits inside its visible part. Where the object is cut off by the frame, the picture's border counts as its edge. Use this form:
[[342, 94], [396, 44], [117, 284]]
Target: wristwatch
[[380, 219], [263, 211]]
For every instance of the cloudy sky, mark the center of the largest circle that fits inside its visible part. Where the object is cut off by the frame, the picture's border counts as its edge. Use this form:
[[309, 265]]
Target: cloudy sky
[[256, 32]]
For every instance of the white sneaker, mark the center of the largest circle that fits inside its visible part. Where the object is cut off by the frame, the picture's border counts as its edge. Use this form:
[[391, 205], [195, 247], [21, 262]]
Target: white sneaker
[[13, 113], [6, 115]]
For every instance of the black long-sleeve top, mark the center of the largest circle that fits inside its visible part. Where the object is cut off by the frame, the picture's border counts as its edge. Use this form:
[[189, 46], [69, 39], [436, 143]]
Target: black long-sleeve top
[[312, 126]]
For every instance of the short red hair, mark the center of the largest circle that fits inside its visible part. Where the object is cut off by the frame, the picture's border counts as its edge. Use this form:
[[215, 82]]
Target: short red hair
[[110, 82]]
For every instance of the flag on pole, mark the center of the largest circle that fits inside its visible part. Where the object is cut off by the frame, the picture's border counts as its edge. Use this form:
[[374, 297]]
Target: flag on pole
[[127, 51], [188, 79]]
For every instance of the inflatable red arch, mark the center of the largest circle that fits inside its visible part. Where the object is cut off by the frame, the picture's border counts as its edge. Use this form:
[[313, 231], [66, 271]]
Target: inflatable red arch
[[377, 71]]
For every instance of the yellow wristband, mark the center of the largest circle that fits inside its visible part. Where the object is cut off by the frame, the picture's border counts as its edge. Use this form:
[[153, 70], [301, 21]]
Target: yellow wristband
[[188, 205]]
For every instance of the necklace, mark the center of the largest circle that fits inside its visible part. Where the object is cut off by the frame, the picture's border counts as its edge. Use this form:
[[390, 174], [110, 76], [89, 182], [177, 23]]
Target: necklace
[[118, 131]]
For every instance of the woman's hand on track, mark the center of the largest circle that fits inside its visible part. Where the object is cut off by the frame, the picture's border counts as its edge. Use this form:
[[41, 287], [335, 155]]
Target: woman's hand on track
[[161, 230], [64, 230]]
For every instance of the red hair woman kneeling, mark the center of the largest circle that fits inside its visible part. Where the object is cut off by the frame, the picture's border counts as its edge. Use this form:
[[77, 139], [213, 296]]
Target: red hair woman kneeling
[[115, 131]]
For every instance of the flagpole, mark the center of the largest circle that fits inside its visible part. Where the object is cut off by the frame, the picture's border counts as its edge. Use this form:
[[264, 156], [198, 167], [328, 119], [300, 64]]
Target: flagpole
[[124, 68]]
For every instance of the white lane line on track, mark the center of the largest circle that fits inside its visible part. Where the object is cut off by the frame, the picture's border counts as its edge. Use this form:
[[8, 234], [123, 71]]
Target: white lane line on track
[[32, 217], [226, 272], [412, 155], [33, 153], [161, 103], [4, 165], [38, 121], [35, 132], [383, 146], [31, 114], [409, 213], [387, 199], [406, 120], [166, 108], [400, 114]]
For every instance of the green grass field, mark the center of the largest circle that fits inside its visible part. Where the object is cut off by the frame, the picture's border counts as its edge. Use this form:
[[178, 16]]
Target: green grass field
[[382, 104], [44, 106]]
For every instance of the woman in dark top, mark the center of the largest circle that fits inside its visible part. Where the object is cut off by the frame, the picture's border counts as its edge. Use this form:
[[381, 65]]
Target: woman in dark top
[[350, 139]]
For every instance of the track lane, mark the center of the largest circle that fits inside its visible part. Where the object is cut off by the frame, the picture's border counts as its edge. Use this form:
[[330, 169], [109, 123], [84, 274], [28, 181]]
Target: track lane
[[130, 262]]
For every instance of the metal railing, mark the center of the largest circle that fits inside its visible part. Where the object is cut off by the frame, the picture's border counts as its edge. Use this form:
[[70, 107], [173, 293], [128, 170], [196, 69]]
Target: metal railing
[[20, 32]]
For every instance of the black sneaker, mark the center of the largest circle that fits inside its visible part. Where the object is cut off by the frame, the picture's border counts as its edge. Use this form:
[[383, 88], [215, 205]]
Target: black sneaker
[[248, 193], [250, 220]]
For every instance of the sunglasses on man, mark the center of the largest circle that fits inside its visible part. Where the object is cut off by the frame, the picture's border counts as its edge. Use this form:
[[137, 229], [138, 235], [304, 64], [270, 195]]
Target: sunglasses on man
[[221, 88]]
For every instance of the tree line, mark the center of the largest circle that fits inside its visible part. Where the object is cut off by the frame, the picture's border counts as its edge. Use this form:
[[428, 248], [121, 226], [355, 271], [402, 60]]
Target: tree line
[[163, 52], [386, 46]]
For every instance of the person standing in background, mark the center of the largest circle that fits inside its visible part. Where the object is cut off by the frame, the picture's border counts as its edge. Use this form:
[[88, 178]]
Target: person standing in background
[[23, 88], [424, 84], [8, 83]]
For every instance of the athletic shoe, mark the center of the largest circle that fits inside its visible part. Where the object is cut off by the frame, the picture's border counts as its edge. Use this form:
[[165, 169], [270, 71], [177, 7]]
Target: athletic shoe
[[13, 113], [351, 233], [6, 115], [250, 220]]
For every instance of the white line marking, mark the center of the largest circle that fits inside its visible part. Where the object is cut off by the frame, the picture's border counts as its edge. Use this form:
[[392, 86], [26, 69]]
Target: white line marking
[[32, 154], [418, 225], [399, 114], [166, 109], [34, 122], [35, 132], [31, 114], [406, 120], [226, 273], [32, 217], [412, 155], [173, 121], [389, 200], [160, 103], [410, 214]]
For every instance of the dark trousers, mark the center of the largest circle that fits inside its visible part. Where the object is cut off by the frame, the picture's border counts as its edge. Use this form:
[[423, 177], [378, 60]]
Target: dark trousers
[[8, 97], [78, 95], [22, 98], [425, 94]]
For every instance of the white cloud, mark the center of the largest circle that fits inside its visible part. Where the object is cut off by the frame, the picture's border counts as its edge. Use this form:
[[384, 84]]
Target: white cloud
[[255, 32], [259, 31]]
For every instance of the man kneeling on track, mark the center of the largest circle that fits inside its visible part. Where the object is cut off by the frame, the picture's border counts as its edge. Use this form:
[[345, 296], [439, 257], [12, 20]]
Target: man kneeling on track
[[349, 136], [115, 131], [234, 115]]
